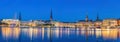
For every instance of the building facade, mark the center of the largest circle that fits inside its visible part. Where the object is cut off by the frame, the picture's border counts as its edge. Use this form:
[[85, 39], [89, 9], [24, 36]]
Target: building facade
[[110, 22], [11, 22]]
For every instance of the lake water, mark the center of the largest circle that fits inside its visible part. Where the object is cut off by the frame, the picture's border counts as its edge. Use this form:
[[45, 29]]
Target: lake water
[[8, 34]]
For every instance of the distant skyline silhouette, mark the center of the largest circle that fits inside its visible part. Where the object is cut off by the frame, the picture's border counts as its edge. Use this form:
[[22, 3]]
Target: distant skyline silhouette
[[62, 10]]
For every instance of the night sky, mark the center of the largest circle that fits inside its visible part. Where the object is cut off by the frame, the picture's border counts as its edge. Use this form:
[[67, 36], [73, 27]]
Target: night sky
[[63, 10]]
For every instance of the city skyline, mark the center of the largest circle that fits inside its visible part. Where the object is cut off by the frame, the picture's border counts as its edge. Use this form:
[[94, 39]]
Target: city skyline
[[60, 20]]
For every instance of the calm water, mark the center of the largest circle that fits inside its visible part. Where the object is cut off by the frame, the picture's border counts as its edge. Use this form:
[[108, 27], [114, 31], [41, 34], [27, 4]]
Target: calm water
[[58, 35]]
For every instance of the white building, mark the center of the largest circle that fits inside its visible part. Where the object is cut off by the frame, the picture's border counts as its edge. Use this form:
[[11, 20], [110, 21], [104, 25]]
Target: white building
[[110, 22], [11, 22]]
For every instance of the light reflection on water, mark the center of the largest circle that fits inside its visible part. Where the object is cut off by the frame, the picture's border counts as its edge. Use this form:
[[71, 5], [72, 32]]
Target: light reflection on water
[[59, 35]]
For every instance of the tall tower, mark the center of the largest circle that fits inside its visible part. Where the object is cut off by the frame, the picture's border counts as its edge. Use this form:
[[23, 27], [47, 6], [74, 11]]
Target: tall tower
[[20, 18], [97, 18], [86, 19], [51, 17]]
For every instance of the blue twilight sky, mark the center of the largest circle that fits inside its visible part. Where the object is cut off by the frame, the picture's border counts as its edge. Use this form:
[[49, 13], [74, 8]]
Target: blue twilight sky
[[63, 10]]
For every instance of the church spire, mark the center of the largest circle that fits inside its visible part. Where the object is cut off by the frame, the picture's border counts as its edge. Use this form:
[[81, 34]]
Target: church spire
[[86, 19], [20, 16], [97, 18], [51, 17]]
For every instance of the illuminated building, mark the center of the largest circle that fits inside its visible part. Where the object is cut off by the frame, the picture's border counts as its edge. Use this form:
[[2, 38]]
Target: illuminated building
[[65, 24], [118, 22], [84, 23], [98, 22], [11, 22], [110, 22]]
